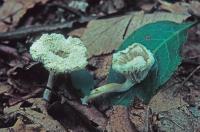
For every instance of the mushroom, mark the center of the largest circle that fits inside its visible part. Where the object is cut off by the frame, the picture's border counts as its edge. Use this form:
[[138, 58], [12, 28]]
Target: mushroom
[[58, 55], [134, 63]]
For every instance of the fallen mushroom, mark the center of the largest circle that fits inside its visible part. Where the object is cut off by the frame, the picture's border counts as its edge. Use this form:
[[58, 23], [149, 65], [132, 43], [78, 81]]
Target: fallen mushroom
[[58, 55], [134, 63]]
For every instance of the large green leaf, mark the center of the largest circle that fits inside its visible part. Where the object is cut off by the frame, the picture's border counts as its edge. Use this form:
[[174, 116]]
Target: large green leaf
[[164, 39]]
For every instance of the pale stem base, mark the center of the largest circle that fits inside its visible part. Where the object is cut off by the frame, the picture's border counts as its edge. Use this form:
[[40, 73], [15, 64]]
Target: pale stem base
[[48, 91]]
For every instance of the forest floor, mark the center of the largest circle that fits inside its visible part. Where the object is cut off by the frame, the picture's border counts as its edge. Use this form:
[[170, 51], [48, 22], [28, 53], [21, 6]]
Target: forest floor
[[175, 107]]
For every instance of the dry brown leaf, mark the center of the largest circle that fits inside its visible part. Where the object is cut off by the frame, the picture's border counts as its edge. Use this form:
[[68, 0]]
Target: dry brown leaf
[[90, 113], [102, 35], [165, 100], [138, 115], [12, 10], [178, 7], [105, 35], [43, 120], [193, 7], [147, 7], [119, 120], [77, 32], [178, 120], [4, 88], [20, 126], [102, 65]]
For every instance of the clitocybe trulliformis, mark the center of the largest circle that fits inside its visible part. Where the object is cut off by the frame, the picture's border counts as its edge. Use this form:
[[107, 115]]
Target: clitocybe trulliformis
[[58, 55], [134, 63]]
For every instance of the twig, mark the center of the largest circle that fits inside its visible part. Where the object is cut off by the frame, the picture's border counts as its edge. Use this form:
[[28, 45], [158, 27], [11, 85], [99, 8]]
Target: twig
[[191, 74], [65, 7], [191, 60], [192, 57], [91, 113], [165, 118], [187, 78], [9, 51], [24, 98], [24, 32]]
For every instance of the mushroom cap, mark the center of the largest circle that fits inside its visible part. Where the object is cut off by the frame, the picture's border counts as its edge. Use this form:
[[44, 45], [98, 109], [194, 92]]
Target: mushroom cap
[[58, 54], [134, 62]]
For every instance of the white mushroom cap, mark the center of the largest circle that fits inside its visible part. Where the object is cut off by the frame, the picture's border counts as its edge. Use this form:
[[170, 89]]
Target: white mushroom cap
[[134, 62], [58, 54]]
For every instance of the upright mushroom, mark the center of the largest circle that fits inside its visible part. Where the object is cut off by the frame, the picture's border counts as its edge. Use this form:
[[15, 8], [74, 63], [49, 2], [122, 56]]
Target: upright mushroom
[[134, 63], [58, 55]]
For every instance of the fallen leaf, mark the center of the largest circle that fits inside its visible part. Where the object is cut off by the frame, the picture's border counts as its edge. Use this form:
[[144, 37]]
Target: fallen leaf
[[20, 126], [77, 32], [25, 83], [178, 120], [9, 51], [15, 99], [195, 8], [177, 7], [138, 116], [80, 5], [105, 35], [102, 66], [91, 113], [102, 36], [108, 7], [147, 7], [119, 120], [4, 88], [119, 4], [12, 10], [165, 100], [41, 118]]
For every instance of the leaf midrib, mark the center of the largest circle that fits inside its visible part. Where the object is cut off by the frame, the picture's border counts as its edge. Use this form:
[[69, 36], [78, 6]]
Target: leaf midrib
[[165, 41]]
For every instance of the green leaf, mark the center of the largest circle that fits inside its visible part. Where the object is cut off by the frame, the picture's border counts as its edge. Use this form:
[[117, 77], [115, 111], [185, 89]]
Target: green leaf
[[164, 39], [82, 80]]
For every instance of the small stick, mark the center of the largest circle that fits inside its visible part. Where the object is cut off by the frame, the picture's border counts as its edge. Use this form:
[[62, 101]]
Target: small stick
[[188, 77], [24, 32], [48, 91], [69, 9], [165, 118], [191, 74]]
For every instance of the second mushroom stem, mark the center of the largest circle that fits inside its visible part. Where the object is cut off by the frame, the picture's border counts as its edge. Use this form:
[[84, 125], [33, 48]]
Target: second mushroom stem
[[49, 87], [108, 88]]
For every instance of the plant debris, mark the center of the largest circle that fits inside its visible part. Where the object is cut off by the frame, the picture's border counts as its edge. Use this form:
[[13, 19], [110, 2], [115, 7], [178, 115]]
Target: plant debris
[[103, 25]]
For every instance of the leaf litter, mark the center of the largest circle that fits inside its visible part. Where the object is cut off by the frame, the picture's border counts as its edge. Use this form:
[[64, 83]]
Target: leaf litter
[[12, 10], [118, 113]]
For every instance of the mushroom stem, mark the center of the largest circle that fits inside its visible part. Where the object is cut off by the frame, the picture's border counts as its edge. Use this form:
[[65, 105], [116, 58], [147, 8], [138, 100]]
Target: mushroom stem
[[106, 89], [49, 87]]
